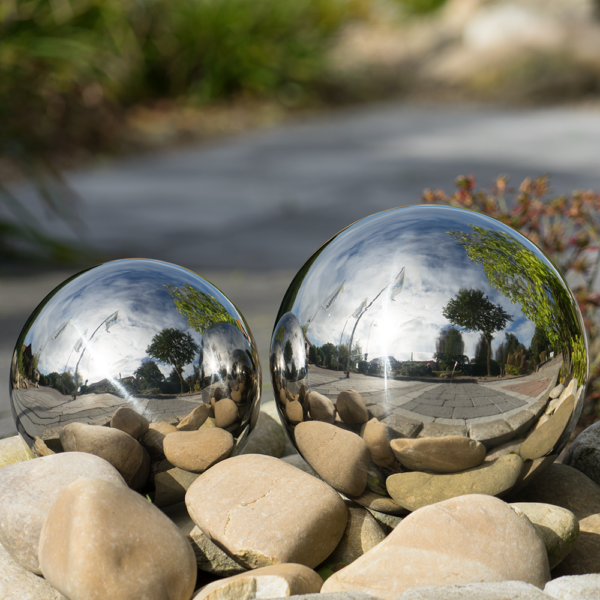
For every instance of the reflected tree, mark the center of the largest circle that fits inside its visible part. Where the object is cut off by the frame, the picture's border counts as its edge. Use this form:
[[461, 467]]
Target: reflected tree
[[540, 345], [173, 347], [450, 347], [523, 277], [472, 310], [199, 309], [148, 375]]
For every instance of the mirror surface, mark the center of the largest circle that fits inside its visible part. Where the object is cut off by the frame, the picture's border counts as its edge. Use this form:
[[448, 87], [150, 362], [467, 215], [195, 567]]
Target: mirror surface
[[424, 351]]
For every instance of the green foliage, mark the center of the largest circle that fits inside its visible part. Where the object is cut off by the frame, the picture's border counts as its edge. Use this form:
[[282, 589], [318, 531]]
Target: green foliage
[[420, 7], [200, 310], [216, 48], [450, 347], [68, 68], [411, 369], [566, 228], [148, 375], [524, 278], [512, 369], [173, 347]]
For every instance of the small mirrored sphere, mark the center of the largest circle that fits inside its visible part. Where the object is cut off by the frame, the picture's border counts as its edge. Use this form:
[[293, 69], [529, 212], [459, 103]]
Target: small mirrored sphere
[[142, 334], [427, 352]]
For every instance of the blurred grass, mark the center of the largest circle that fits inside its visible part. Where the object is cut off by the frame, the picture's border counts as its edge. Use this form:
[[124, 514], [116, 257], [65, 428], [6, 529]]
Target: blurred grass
[[69, 68], [72, 72]]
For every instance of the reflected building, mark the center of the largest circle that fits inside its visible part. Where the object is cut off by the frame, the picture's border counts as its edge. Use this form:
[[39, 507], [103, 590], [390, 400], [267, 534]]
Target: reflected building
[[476, 333]]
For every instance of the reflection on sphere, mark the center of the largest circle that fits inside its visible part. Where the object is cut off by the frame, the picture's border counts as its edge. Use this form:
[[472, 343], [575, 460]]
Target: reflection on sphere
[[142, 334], [428, 348]]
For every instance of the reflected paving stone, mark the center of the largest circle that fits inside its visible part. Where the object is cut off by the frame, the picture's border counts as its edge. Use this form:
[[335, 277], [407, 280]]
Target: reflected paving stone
[[135, 337], [443, 322]]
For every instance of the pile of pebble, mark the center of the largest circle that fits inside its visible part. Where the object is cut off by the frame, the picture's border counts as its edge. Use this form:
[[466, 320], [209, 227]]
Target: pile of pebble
[[383, 467], [263, 525]]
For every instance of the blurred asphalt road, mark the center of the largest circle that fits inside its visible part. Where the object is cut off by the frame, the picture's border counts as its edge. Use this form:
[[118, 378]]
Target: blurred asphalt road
[[246, 212]]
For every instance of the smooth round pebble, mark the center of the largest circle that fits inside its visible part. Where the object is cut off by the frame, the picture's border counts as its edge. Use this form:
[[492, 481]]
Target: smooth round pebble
[[263, 511], [197, 451], [128, 420], [276, 581], [103, 541], [28, 490]]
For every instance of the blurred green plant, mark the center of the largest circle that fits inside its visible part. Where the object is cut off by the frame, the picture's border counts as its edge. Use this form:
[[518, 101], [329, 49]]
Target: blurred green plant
[[420, 7], [68, 68], [566, 228]]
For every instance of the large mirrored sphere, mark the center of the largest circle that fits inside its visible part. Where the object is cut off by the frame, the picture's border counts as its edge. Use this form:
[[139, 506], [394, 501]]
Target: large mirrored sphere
[[142, 334], [427, 352]]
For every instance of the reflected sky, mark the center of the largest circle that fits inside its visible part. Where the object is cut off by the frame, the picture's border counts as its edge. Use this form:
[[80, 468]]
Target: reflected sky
[[134, 288], [368, 256]]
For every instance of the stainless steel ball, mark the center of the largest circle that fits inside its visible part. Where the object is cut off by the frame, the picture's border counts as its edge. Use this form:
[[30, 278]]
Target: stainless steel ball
[[142, 334], [428, 352]]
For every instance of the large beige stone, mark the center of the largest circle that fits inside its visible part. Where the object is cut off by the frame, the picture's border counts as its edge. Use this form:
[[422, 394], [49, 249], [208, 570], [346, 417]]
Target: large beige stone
[[415, 490], [263, 511], [113, 445], [17, 583], [209, 557], [574, 587], [297, 461], [196, 451], [104, 541], [496, 590], [473, 538], [569, 488], [276, 581], [196, 418], [448, 454], [339, 457], [320, 407], [153, 439], [376, 437], [557, 526], [351, 408], [128, 420], [362, 533], [13, 450], [28, 490]]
